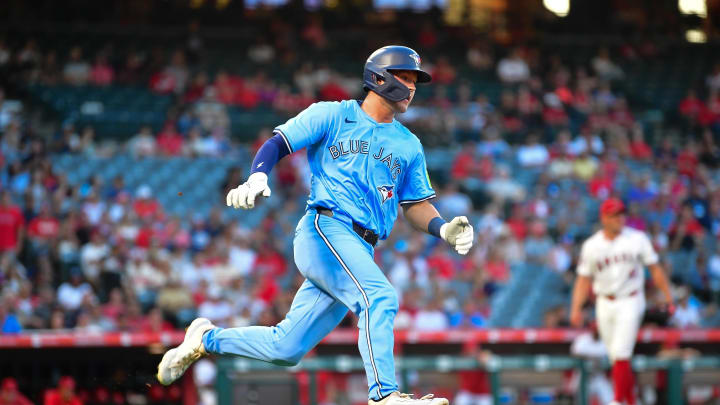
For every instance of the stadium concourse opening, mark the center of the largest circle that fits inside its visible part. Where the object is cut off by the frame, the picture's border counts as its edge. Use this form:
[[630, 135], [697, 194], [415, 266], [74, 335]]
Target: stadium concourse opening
[[123, 125]]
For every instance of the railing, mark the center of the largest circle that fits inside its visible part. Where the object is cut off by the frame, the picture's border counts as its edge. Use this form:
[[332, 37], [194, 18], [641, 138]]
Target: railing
[[233, 369], [71, 338]]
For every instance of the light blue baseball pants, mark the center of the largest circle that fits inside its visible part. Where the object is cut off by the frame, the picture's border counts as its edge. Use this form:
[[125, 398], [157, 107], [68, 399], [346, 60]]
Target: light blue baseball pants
[[340, 273]]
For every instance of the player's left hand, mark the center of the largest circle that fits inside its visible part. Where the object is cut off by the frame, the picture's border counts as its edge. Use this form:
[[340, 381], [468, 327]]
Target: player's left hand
[[244, 196], [459, 234]]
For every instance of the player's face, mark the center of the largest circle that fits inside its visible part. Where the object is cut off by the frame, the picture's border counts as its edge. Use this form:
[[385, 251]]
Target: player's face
[[613, 223], [408, 78]]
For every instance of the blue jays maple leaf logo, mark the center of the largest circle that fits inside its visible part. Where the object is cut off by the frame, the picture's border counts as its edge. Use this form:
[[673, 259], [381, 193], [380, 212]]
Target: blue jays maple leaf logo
[[386, 192], [416, 58]]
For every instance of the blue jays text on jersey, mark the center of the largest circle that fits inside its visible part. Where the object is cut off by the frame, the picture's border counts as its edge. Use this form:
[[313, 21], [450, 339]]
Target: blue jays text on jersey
[[359, 166]]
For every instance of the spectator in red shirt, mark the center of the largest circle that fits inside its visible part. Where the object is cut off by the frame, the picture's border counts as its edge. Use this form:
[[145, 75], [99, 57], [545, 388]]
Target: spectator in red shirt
[[115, 305], [314, 33], [691, 106], [145, 206], [440, 263], [228, 88], [332, 91], [496, 268], [620, 114], [474, 385], [64, 394], [687, 160], [582, 99], [554, 113], [249, 97], [465, 164], [154, 322], [427, 37], [635, 218], [269, 262], [10, 395], [12, 225], [102, 73], [169, 142], [517, 223], [639, 149], [686, 231], [267, 290], [197, 87], [42, 232], [44, 227], [443, 73], [710, 115], [286, 174], [601, 186], [145, 234], [162, 82]]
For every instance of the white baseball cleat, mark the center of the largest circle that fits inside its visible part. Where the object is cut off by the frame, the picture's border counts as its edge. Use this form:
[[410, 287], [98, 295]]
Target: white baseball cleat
[[397, 398], [177, 360]]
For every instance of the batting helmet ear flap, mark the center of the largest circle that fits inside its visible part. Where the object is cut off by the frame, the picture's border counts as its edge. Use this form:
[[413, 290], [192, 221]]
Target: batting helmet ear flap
[[391, 89]]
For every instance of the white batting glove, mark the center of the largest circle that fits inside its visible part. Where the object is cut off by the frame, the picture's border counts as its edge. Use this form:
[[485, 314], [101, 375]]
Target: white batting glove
[[459, 234], [244, 195]]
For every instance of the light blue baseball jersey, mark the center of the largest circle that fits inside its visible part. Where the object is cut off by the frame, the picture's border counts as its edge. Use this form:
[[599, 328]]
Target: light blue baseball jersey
[[359, 167]]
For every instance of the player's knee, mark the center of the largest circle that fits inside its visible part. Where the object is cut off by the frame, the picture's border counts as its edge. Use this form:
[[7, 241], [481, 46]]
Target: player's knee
[[288, 354], [387, 300]]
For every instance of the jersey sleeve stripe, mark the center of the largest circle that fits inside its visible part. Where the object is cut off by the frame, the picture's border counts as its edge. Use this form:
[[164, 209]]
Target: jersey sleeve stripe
[[418, 200], [278, 131]]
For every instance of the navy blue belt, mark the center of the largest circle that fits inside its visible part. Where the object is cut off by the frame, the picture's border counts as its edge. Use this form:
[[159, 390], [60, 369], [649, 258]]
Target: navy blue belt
[[367, 235]]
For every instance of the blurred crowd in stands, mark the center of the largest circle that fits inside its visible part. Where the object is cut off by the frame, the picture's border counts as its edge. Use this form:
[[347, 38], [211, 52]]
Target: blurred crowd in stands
[[98, 256]]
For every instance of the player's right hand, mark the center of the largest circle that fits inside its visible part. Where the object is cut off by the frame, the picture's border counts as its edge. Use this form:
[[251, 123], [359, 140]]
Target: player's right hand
[[244, 195]]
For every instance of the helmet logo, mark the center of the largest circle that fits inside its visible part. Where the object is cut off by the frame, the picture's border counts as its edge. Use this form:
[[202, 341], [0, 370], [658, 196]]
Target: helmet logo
[[416, 58]]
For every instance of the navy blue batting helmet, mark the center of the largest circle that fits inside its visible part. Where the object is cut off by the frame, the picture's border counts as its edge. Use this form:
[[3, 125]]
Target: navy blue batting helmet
[[382, 62]]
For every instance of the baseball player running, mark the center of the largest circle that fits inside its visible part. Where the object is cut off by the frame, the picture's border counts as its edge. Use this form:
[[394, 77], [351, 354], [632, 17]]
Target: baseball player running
[[613, 258], [364, 164]]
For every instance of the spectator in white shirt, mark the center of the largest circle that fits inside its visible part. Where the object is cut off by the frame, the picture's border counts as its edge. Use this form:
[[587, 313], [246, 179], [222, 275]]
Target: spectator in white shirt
[[241, 256], [714, 269], [586, 142], [93, 208], [76, 70], [560, 257], [93, 254], [71, 294], [605, 67], [503, 187], [490, 223], [431, 318], [686, 315], [452, 202], [143, 143], [513, 68], [216, 308], [5, 53], [533, 154], [713, 80]]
